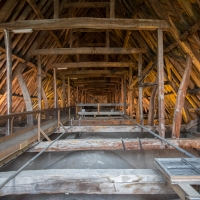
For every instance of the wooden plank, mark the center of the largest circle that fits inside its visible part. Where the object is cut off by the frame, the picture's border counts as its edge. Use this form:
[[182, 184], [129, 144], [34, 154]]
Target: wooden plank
[[177, 120], [87, 50], [91, 64], [94, 23], [112, 144], [113, 129], [101, 113], [87, 4], [39, 83], [56, 9], [97, 181]]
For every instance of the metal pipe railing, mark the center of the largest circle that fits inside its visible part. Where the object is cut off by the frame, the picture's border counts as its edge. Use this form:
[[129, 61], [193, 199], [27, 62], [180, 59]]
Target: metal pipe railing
[[163, 139], [36, 156]]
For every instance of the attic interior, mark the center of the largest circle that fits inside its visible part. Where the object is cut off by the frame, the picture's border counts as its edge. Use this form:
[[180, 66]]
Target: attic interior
[[99, 99]]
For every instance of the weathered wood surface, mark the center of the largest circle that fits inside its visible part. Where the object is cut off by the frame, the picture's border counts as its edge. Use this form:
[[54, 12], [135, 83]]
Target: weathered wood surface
[[95, 23], [113, 144], [107, 128], [92, 181], [86, 4], [91, 64], [194, 91], [87, 72], [177, 120], [194, 110], [87, 50]]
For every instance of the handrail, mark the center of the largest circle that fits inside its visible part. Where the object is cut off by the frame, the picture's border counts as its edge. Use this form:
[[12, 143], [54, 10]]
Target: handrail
[[163, 139], [8, 116]]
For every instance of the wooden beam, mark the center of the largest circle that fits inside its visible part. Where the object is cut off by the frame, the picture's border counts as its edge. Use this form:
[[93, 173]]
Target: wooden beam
[[140, 99], [55, 89], [87, 4], [161, 101], [194, 91], [96, 75], [112, 9], [181, 99], [68, 91], [113, 144], [91, 64], [103, 129], [87, 50], [151, 106], [94, 23], [88, 72], [39, 83], [27, 98], [8, 47], [97, 181], [56, 9], [194, 110]]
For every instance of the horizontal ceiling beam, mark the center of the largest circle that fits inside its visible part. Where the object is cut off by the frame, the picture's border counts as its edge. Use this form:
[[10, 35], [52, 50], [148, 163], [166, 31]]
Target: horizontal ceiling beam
[[86, 181], [91, 64], [95, 23], [88, 72], [87, 50], [94, 75], [112, 144], [87, 4]]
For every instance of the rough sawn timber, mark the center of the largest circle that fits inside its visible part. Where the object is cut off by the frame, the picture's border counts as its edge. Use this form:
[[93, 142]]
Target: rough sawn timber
[[86, 22], [91, 181], [112, 144]]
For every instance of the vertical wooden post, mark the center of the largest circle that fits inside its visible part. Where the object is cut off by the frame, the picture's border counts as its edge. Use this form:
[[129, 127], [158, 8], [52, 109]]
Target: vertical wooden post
[[63, 92], [112, 8], [68, 96], [140, 89], [8, 47], [130, 94], [77, 95], [55, 88], [124, 94], [161, 101], [46, 105], [181, 99], [39, 90], [151, 106], [68, 91], [107, 36], [56, 9]]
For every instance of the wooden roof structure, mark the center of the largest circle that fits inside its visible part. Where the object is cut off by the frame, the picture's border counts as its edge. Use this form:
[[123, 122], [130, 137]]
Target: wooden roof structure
[[90, 47]]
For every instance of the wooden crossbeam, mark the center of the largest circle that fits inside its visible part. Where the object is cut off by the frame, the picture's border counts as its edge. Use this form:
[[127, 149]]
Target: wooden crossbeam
[[88, 72], [92, 64], [194, 91], [95, 23], [97, 181], [87, 4], [87, 50], [112, 144], [194, 110]]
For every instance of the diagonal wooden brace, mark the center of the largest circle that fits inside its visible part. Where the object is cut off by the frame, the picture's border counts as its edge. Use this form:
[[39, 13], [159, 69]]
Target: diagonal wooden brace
[[45, 135]]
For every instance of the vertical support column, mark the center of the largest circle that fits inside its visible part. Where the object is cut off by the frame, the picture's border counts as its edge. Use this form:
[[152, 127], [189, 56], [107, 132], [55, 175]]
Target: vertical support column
[[77, 95], [39, 90], [124, 94], [56, 9], [107, 44], [8, 78], [112, 8], [130, 94], [63, 92], [55, 88], [68, 95], [68, 91], [140, 89], [161, 102]]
